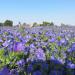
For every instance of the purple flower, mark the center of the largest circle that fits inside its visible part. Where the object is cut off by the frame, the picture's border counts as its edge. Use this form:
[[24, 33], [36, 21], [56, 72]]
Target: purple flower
[[69, 50], [37, 73], [28, 36], [18, 46], [1, 40], [5, 44], [52, 40], [54, 60], [54, 72], [73, 47], [14, 72], [5, 71], [20, 62], [63, 41], [40, 55], [30, 68], [44, 66], [59, 43], [32, 46], [26, 50], [71, 65], [61, 60]]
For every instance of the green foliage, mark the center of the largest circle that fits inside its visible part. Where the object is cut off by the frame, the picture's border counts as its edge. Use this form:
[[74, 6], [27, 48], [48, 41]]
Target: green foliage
[[71, 57], [47, 24], [34, 35], [52, 24], [2, 61], [45, 39], [35, 24], [42, 36], [8, 23], [58, 38], [48, 55], [51, 48], [1, 24], [12, 58], [17, 39], [44, 23]]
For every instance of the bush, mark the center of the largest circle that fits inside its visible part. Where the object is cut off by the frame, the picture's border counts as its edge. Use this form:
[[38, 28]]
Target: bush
[[8, 23], [47, 24]]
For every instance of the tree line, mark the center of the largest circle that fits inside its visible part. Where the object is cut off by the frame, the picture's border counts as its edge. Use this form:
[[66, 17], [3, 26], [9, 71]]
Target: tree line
[[7, 23], [44, 23], [10, 23]]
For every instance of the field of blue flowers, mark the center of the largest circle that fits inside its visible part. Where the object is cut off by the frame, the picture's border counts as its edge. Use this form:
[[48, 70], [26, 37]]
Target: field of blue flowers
[[37, 51]]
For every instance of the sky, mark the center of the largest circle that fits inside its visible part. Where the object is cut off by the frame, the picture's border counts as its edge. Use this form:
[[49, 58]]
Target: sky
[[29, 11]]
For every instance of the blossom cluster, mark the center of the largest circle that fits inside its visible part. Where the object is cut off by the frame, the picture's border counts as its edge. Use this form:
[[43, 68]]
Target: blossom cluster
[[37, 51]]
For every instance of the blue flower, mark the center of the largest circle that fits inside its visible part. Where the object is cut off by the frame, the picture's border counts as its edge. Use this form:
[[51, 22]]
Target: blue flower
[[52, 40], [73, 47], [40, 55], [5, 71], [30, 68], [20, 62], [55, 72], [37, 73], [44, 66], [14, 72], [32, 46], [59, 43], [54, 60], [28, 36], [61, 60], [64, 41], [5, 44], [26, 50], [69, 50], [1, 40], [18, 46], [70, 65]]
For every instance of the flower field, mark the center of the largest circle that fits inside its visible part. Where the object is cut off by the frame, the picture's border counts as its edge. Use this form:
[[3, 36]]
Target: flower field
[[37, 51]]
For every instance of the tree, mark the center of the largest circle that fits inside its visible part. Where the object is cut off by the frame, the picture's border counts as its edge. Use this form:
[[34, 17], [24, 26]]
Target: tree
[[35, 24], [47, 23], [8, 23], [1, 24], [51, 24], [62, 24]]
